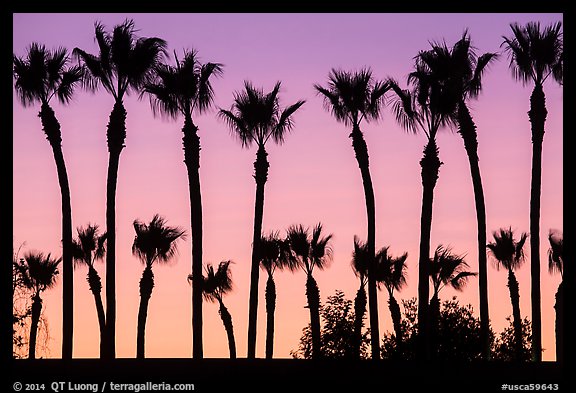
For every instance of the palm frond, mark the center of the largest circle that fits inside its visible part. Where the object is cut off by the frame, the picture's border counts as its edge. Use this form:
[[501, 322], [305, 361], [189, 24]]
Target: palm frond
[[237, 126], [475, 83], [320, 248], [285, 123], [41, 270], [360, 258], [507, 252], [69, 80], [205, 90], [156, 242], [556, 252], [403, 107]]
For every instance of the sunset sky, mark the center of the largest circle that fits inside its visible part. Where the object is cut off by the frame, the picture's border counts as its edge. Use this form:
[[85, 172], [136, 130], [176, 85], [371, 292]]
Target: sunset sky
[[313, 176]]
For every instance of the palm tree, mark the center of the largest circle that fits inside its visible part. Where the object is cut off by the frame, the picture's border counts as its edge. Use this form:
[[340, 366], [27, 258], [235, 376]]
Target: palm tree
[[154, 243], [353, 97], [391, 272], [88, 248], [186, 89], [255, 118], [509, 254], [556, 265], [429, 106], [445, 269], [39, 77], [309, 251], [125, 62], [215, 284], [463, 70], [536, 55], [360, 267], [38, 273], [274, 254]]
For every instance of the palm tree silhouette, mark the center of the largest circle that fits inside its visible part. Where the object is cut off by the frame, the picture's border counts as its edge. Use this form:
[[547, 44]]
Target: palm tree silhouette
[[391, 272], [446, 268], [428, 107], [463, 70], [39, 77], [154, 243], [353, 97], [274, 254], [125, 62], [186, 89], [509, 254], [38, 273], [360, 267], [536, 55], [309, 251], [254, 118], [556, 265], [88, 248], [215, 284]]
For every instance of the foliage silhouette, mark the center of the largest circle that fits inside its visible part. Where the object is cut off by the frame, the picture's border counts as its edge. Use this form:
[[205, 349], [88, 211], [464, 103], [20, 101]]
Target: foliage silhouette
[[359, 264], [254, 118], [186, 89], [154, 243], [125, 62], [535, 55], [39, 77], [556, 265], [352, 97], [89, 247]]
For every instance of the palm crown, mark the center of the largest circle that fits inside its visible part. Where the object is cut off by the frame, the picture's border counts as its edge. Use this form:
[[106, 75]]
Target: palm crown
[[216, 283], [508, 252], [275, 253], [447, 268], [309, 250], [89, 246], [360, 260], [391, 271], [556, 253], [37, 271], [156, 242]]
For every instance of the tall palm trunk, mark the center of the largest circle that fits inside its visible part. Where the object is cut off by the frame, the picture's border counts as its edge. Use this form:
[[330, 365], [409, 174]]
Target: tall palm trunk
[[116, 135], [260, 175], [227, 321], [359, 311], [537, 116], [313, 296], [559, 323], [95, 284], [191, 143], [146, 286], [430, 165], [361, 152], [36, 310], [434, 320], [467, 129], [516, 317], [270, 309], [51, 128], [396, 321]]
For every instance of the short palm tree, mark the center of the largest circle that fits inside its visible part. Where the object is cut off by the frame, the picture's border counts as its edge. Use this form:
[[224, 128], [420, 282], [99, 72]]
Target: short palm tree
[[427, 107], [391, 272], [509, 254], [360, 267], [216, 284], [154, 243], [353, 97], [536, 55], [309, 251], [446, 269], [185, 89], [255, 118], [125, 62], [87, 249], [39, 77], [38, 272], [556, 265], [274, 254]]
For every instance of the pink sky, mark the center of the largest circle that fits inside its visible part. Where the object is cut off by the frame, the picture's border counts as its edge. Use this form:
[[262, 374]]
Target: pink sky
[[313, 176]]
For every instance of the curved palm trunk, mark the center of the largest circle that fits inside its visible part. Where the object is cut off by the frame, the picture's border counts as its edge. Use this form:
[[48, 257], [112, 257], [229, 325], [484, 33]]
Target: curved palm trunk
[[260, 175], [396, 321], [467, 129], [227, 321], [559, 323], [516, 317], [361, 152], [116, 134], [359, 311], [537, 116], [51, 128], [36, 310], [146, 286], [313, 296], [434, 320], [270, 308], [430, 164], [191, 143], [95, 284]]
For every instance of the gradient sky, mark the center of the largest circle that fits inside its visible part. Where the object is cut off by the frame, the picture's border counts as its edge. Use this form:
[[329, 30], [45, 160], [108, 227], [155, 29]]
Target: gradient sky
[[313, 176]]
